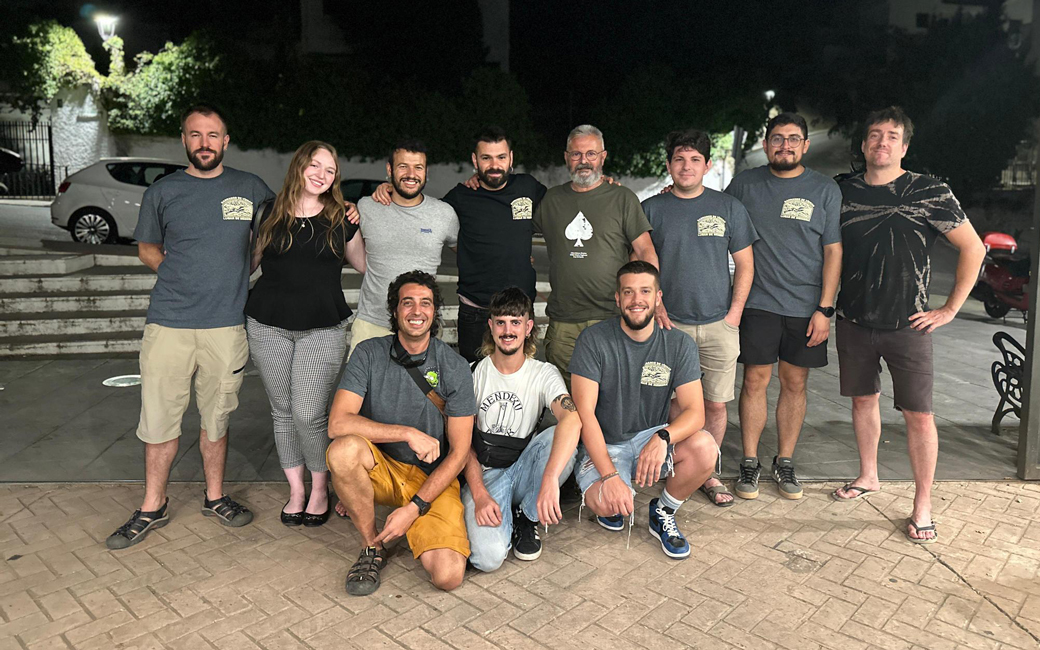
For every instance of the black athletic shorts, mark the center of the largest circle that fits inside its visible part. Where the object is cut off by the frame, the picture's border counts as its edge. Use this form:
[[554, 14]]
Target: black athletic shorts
[[766, 337]]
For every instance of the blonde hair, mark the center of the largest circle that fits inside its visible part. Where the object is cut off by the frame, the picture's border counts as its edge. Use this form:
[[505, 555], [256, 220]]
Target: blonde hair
[[277, 228]]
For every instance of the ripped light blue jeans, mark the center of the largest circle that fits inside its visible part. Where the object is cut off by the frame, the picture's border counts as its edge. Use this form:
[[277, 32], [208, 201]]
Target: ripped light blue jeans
[[517, 484]]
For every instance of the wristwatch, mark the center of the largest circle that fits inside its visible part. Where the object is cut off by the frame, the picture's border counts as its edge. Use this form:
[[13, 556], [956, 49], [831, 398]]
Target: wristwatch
[[423, 506], [826, 311], [667, 437]]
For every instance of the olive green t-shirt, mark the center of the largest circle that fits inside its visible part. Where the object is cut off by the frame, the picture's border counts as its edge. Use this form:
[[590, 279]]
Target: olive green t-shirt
[[588, 236]]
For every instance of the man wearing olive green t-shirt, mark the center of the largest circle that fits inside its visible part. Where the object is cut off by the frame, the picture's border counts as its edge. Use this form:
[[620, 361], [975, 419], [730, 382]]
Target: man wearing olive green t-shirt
[[591, 228]]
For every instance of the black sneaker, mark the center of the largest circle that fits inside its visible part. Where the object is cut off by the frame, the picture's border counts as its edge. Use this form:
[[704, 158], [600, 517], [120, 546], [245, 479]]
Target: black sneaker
[[527, 545], [137, 527], [783, 474], [747, 482]]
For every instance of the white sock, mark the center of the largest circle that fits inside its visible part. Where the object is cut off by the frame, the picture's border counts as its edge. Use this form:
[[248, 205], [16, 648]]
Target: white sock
[[670, 502]]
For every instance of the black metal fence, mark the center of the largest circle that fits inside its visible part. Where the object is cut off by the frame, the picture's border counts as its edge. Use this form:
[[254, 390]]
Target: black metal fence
[[27, 160]]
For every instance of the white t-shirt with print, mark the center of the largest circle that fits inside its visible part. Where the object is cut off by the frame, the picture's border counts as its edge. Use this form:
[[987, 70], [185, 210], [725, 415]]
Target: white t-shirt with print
[[511, 405]]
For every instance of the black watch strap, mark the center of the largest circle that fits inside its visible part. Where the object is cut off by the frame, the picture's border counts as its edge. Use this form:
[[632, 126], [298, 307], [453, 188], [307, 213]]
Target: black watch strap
[[667, 437], [423, 506], [826, 311]]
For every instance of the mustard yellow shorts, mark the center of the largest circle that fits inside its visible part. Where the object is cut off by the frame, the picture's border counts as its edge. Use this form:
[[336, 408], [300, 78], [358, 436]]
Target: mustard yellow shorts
[[170, 358], [444, 526]]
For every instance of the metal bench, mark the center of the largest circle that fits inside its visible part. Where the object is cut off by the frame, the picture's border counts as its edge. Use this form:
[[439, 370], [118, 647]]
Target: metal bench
[[1007, 378]]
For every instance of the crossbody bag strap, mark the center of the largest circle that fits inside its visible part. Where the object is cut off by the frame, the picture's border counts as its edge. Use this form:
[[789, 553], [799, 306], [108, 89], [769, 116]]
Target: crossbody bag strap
[[427, 389]]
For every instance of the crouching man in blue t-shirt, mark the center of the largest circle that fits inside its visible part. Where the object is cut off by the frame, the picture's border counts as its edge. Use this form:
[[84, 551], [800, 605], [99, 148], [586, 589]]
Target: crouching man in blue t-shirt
[[624, 371]]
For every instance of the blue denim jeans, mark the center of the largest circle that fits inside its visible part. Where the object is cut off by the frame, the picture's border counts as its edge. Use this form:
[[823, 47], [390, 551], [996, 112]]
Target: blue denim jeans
[[517, 484]]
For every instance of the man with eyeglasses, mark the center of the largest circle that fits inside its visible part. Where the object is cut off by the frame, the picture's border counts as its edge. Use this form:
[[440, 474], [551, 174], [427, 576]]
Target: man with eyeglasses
[[787, 316], [890, 218], [591, 228]]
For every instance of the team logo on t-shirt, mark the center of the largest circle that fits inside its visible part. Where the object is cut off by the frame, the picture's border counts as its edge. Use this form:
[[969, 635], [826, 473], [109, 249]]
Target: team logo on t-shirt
[[523, 208], [237, 208], [579, 229], [711, 226], [800, 209], [503, 412], [655, 374]]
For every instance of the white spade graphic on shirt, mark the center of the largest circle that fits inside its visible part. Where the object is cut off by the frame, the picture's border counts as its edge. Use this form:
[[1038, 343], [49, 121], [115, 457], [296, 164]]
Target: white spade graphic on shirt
[[579, 229]]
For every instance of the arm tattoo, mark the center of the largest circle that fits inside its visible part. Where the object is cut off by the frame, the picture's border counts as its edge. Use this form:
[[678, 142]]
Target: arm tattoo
[[567, 403]]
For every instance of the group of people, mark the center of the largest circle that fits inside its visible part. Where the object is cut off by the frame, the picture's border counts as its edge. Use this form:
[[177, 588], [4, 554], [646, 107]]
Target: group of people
[[646, 327]]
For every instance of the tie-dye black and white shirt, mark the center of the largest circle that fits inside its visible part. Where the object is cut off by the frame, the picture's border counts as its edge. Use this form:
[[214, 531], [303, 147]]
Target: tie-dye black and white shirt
[[887, 232]]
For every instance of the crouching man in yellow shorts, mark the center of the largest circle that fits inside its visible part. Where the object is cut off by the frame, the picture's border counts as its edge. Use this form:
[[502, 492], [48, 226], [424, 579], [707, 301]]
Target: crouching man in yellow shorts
[[401, 425]]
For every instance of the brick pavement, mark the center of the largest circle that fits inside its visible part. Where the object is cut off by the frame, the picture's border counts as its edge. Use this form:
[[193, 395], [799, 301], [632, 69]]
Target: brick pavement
[[765, 574]]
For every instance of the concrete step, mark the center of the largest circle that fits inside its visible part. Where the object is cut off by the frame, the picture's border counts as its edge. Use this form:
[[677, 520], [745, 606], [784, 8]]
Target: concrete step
[[77, 283], [128, 343], [74, 302], [26, 265], [121, 319]]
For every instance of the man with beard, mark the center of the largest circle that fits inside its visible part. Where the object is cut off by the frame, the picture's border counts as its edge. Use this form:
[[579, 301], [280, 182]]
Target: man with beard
[[624, 372], [400, 425], [194, 231], [409, 233], [495, 228], [890, 218], [696, 229], [591, 227], [513, 477], [786, 318]]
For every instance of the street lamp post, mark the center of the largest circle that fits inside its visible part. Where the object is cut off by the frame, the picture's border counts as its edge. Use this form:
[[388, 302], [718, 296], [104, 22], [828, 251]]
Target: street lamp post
[[106, 26]]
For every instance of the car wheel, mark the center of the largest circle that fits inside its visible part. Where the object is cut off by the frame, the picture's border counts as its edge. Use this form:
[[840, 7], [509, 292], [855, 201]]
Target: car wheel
[[93, 226]]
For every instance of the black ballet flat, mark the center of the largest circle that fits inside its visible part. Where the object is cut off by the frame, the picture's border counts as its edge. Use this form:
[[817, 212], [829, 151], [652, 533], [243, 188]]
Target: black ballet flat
[[313, 521], [292, 518]]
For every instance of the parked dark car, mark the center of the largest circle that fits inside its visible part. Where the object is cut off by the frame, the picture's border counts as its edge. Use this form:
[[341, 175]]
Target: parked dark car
[[355, 188]]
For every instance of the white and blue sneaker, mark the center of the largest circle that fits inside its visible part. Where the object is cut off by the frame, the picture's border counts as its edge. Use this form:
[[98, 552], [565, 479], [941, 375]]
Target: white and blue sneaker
[[663, 527], [613, 523]]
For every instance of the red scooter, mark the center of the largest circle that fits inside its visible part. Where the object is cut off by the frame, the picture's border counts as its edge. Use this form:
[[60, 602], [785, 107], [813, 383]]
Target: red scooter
[[1003, 284]]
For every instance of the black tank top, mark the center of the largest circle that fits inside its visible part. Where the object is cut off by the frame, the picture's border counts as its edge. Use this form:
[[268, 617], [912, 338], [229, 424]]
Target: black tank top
[[301, 288]]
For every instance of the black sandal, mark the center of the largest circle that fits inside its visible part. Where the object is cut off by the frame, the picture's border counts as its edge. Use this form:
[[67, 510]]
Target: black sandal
[[227, 511], [363, 577], [137, 527]]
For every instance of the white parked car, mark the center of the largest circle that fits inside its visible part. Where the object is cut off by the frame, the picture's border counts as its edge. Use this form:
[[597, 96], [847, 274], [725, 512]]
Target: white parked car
[[99, 204]]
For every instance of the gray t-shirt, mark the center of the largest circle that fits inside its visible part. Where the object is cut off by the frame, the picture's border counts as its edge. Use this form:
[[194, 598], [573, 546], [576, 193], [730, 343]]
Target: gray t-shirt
[[694, 238], [795, 218], [636, 379], [204, 226], [391, 396], [397, 240]]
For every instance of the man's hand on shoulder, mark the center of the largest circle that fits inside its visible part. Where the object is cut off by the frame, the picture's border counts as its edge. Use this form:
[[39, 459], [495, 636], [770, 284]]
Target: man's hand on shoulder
[[353, 216], [383, 193], [473, 182]]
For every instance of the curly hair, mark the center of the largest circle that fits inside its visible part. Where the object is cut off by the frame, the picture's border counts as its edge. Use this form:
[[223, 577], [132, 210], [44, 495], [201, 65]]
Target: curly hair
[[423, 279]]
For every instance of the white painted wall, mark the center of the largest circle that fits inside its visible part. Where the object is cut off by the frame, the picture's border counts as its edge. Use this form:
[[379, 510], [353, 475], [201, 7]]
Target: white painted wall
[[80, 130]]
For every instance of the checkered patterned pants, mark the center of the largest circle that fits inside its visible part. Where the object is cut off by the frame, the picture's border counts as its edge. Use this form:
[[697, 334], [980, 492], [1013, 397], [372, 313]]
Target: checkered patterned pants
[[299, 369]]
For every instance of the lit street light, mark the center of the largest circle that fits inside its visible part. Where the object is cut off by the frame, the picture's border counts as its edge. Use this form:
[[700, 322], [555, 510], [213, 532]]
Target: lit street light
[[106, 25]]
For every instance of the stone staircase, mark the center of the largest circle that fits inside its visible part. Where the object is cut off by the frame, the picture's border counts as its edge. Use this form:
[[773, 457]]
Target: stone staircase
[[58, 303]]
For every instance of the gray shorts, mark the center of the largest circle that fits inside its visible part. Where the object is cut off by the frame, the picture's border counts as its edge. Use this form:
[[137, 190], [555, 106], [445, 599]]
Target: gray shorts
[[908, 353]]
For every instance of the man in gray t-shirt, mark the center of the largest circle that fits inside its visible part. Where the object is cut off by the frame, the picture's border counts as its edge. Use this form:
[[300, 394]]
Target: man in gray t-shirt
[[623, 373], [408, 234], [787, 317], [193, 230], [391, 445], [695, 230]]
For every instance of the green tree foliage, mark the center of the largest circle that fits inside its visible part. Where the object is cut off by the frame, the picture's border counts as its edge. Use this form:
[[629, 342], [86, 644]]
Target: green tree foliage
[[972, 97], [41, 61]]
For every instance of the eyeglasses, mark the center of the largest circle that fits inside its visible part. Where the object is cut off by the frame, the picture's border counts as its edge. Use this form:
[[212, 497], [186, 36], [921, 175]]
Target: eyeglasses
[[577, 155], [777, 140]]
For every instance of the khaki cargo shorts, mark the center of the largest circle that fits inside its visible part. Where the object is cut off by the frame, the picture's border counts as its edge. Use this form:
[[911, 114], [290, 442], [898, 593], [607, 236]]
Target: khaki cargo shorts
[[170, 357], [719, 347]]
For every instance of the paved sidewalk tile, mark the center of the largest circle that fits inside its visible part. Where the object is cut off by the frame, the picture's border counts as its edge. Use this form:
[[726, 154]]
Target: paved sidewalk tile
[[769, 573]]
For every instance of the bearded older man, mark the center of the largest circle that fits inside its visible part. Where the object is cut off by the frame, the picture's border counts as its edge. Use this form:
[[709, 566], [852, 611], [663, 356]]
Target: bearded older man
[[591, 228]]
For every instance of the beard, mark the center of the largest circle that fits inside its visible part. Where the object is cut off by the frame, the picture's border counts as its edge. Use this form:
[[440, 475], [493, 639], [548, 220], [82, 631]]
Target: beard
[[397, 183], [519, 347], [197, 163], [637, 325], [785, 165], [586, 181], [493, 182]]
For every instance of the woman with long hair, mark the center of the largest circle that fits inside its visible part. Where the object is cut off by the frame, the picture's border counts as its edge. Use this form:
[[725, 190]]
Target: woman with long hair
[[296, 318]]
